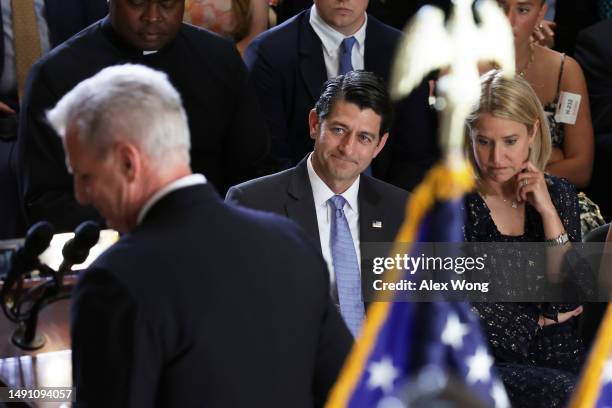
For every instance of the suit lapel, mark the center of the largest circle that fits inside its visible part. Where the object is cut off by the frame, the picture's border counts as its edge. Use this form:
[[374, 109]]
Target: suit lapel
[[372, 224], [300, 205], [371, 229], [374, 59], [311, 62]]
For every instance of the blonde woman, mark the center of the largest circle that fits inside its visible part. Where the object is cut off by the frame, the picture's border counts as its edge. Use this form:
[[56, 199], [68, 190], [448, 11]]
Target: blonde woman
[[536, 346]]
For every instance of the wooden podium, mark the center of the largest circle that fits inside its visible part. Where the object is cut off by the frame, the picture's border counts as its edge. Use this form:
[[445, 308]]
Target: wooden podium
[[50, 366]]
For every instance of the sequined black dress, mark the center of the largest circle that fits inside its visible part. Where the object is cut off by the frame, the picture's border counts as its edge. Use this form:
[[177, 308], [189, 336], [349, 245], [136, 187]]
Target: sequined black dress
[[537, 365]]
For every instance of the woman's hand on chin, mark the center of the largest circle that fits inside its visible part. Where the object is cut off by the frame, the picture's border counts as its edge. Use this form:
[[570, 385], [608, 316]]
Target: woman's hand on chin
[[531, 187]]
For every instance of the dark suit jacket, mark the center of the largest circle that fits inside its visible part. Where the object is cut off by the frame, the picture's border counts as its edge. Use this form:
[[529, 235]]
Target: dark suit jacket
[[67, 17], [206, 304], [289, 193], [228, 132], [594, 53], [287, 67]]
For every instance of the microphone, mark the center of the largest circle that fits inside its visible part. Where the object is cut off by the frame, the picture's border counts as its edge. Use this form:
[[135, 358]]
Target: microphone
[[25, 259], [76, 250]]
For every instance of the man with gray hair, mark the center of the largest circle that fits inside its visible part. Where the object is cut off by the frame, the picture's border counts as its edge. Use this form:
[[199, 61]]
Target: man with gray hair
[[199, 303]]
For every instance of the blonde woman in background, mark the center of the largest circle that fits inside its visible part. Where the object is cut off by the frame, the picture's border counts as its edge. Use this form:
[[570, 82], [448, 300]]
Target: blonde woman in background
[[537, 350]]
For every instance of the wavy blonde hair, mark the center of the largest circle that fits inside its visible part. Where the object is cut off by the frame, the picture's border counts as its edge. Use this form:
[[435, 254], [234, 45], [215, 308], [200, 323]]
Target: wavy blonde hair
[[512, 99]]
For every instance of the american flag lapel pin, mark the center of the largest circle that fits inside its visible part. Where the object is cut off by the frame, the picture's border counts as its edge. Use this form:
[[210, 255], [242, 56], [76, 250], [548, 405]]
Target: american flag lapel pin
[[376, 224]]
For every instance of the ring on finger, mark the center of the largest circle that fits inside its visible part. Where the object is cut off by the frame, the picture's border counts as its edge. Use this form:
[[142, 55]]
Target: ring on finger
[[541, 26], [525, 182]]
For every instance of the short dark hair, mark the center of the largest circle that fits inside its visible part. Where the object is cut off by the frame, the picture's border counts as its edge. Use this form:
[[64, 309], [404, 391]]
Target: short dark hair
[[365, 89]]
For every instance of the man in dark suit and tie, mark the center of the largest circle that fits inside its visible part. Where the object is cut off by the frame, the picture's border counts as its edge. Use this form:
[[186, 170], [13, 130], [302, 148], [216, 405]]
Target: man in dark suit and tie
[[289, 63], [229, 135], [338, 207], [199, 303]]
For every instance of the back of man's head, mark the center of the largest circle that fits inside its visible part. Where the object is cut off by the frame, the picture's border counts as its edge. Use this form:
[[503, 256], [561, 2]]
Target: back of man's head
[[130, 103], [362, 88]]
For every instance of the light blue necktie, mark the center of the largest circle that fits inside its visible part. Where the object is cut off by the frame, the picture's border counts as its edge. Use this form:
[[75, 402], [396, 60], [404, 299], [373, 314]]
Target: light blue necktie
[[346, 52], [346, 267]]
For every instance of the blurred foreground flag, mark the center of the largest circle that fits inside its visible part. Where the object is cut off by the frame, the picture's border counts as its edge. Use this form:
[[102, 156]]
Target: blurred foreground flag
[[411, 354], [595, 387]]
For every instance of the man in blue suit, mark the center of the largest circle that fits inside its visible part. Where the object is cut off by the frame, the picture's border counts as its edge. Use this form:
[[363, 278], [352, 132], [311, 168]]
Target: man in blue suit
[[199, 303], [289, 64]]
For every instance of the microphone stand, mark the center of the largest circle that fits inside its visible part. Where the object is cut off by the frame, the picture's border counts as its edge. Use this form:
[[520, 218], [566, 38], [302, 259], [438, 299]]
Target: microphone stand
[[75, 251], [25, 335]]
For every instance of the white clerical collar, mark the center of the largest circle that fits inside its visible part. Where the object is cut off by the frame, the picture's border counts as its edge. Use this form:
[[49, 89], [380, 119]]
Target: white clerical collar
[[330, 38], [187, 181], [149, 52], [322, 193]]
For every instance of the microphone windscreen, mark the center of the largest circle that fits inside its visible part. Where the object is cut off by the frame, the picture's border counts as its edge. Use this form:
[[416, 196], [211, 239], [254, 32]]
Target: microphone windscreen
[[36, 241], [38, 238], [77, 249], [87, 234]]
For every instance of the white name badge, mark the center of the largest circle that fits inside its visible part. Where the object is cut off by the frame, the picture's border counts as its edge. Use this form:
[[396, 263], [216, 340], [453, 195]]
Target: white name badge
[[567, 108]]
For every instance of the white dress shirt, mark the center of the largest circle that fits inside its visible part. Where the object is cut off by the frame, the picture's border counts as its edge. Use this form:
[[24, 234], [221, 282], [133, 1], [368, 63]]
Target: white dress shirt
[[187, 181], [321, 194], [331, 40]]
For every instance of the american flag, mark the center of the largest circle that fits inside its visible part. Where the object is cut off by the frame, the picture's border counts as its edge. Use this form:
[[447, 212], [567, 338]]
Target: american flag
[[403, 341], [595, 387]]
